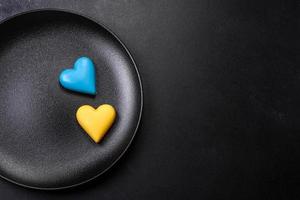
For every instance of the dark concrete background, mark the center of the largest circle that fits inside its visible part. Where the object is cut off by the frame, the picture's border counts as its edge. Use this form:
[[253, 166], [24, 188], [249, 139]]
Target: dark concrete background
[[222, 106]]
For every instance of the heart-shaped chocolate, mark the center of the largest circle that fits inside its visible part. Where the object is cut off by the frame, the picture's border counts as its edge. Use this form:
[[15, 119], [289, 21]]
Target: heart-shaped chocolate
[[96, 122], [81, 78]]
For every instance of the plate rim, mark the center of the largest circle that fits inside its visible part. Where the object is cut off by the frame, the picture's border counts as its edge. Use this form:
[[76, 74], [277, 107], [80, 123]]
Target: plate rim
[[67, 11]]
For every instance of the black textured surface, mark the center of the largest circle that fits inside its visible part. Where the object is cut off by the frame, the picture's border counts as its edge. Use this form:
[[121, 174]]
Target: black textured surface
[[221, 85], [41, 144]]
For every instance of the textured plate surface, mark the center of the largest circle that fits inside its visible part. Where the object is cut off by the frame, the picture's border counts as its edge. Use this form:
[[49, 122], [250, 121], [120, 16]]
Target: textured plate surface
[[41, 144]]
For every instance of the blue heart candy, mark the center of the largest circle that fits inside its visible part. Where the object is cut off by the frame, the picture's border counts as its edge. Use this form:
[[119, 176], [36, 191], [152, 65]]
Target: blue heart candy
[[81, 78]]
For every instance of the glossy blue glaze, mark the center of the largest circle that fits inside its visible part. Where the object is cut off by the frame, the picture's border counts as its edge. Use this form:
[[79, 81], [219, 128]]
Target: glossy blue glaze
[[81, 78]]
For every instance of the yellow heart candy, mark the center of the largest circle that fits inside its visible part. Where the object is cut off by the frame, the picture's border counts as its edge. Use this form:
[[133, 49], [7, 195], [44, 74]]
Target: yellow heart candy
[[96, 122]]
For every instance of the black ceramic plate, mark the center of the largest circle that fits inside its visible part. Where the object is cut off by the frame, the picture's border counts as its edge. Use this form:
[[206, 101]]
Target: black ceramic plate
[[41, 144]]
